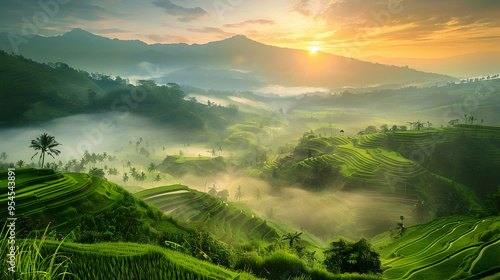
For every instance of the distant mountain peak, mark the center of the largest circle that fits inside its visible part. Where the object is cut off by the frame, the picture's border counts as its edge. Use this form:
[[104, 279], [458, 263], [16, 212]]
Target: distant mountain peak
[[79, 32]]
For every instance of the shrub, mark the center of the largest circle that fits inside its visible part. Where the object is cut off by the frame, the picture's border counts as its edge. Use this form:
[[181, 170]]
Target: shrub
[[283, 265]]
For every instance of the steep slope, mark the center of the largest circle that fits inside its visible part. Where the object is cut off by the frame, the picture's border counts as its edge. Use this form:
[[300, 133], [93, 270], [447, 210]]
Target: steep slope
[[416, 174], [230, 222], [32, 91]]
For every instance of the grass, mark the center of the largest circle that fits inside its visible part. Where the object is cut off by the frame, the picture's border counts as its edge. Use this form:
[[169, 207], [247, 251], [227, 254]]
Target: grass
[[139, 261], [442, 249], [229, 222], [33, 261]]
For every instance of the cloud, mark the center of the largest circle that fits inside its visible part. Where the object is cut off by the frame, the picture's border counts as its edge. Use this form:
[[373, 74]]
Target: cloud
[[109, 31], [184, 14], [302, 7], [373, 21], [167, 38], [213, 30], [485, 38], [13, 15], [251, 22]]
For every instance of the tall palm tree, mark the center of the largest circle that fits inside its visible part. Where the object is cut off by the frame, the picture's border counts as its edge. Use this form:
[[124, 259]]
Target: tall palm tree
[[151, 169], [239, 194], [45, 143], [142, 177]]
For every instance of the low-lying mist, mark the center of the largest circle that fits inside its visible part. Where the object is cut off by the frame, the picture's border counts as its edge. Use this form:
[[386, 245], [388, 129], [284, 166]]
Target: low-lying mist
[[326, 214]]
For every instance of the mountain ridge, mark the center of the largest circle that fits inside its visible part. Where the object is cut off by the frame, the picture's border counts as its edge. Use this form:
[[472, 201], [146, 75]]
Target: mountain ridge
[[279, 66]]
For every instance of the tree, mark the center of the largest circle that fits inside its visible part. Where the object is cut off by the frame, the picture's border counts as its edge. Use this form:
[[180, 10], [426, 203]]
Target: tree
[[292, 237], [239, 194], [394, 128], [223, 195], [3, 156], [472, 119], [151, 169], [20, 163], [370, 129], [213, 190], [384, 128], [142, 177], [125, 177], [351, 257], [97, 172], [112, 171], [46, 144], [158, 178]]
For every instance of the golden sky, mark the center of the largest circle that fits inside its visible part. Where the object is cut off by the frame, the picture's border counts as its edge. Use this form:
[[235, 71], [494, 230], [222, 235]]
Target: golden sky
[[354, 28]]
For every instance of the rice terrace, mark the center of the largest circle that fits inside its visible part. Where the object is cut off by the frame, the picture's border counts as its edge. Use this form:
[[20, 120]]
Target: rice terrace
[[233, 140]]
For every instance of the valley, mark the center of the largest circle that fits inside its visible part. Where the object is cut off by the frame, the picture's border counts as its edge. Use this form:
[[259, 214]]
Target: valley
[[178, 142]]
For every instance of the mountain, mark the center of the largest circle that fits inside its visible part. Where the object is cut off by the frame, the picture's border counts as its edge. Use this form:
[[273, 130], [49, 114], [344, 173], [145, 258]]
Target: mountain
[[287, 67], [467, 65]]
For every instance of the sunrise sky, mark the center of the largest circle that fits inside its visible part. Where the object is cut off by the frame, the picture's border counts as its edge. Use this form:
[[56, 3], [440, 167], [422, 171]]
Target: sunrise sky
[[355, 28]]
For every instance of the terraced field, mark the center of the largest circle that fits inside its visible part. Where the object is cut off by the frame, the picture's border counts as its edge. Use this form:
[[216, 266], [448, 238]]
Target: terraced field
[[229, 222], [137, 261], [46, 194], [443, 249]]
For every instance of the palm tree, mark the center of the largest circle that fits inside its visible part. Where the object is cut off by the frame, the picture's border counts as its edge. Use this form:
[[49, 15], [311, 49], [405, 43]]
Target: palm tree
[[292, 237], [157, 178], [125, 177], [45, 143], [213, 191], [239, 194], [151, 169], [20, 163], [142, 177]]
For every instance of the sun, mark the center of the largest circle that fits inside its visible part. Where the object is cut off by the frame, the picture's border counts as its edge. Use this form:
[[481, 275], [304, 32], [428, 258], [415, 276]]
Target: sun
[[315, 49]]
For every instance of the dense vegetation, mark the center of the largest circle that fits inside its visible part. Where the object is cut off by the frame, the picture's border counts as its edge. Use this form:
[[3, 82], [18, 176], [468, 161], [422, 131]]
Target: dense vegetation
[[48, 91], [413, 164]]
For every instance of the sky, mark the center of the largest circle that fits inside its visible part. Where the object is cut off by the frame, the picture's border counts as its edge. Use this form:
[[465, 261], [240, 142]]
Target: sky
[[353, 28]]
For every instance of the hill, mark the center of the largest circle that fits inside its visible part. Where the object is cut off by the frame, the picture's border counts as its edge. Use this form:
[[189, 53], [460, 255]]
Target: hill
[[409, 172], [44, 196], [89, 210], [273, 65], [230, 222], [37, 92], [450, 248], [40, 92]]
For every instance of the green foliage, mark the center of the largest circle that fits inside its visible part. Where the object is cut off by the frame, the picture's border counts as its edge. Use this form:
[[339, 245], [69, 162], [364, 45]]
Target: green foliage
[[349, 257], [228, 222], [97, 172], [283, 265], [179, 166], [138, 261], [32, 260], [46, 144]]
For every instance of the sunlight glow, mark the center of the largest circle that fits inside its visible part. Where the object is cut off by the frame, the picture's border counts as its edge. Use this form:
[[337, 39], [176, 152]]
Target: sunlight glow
[[315, 49]]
